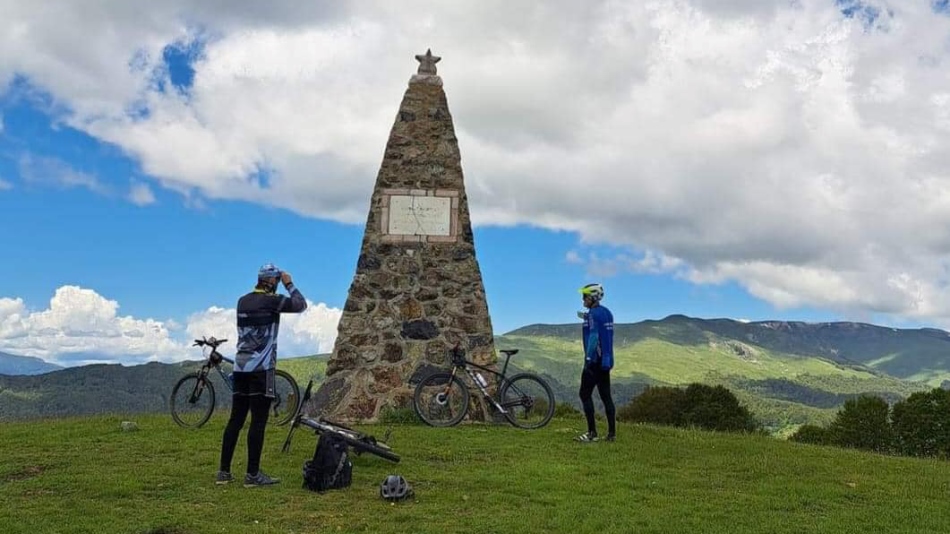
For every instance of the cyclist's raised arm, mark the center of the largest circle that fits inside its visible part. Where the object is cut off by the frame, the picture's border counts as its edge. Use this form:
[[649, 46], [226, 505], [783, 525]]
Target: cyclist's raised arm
[[296, 302]]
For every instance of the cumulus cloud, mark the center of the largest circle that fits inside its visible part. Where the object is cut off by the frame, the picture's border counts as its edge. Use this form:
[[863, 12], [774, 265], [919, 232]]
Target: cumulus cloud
[[81, 322], [79, 327], [796, 148]]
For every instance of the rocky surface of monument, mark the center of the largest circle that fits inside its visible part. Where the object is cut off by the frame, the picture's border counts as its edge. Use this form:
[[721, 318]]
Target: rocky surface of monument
[[418, 288]]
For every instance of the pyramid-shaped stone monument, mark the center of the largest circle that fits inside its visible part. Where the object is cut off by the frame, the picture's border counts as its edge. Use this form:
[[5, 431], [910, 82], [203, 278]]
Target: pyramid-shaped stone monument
[[418, 289]]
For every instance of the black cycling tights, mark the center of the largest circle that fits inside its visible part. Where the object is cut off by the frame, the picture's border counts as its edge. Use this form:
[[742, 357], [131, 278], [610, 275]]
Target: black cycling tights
[[259, 406], [600, 379]]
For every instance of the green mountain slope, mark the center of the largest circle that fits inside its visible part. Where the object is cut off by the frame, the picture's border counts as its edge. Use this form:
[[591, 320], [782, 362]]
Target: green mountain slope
[[911, 354], [117, 389]]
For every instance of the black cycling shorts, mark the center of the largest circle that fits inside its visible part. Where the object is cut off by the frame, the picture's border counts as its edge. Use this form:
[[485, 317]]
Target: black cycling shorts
[[255, 383]]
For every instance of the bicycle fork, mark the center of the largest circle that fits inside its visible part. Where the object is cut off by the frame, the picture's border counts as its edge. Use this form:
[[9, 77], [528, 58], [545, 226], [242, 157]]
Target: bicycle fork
[[199, 388]]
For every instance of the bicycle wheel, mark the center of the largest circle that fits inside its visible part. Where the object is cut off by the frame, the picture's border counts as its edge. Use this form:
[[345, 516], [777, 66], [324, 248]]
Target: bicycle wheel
[[441, 400], [286, 398], [192, 401], [528, 401]]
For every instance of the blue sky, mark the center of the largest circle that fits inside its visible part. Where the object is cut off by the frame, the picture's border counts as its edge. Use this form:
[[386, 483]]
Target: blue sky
[[145, 177]]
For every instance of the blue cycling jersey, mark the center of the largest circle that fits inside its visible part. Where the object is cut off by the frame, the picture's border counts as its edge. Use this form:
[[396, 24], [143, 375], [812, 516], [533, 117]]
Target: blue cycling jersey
[[598, 336]]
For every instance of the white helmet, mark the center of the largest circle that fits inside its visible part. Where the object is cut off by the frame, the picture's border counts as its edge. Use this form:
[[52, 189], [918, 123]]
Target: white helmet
[[594, 291]]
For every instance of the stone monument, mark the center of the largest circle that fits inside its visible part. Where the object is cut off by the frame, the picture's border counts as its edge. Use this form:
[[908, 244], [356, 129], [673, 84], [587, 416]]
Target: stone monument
[[418, 289]]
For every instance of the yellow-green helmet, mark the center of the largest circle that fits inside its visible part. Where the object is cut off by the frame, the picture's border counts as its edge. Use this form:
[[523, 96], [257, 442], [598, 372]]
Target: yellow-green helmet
[[594, 291]]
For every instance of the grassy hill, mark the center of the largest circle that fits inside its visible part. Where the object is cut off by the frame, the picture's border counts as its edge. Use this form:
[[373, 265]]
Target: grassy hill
[[90, 389], [87, 476], [117, 389], [305, 368]]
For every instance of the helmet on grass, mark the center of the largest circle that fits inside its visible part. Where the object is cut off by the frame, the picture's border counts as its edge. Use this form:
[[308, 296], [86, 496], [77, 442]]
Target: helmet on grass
[[395, 488], [594, 291]]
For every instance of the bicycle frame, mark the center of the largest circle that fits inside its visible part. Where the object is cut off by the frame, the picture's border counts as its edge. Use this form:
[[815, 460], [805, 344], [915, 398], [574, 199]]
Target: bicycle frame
[[286, 392], [359, 441], [513, 397], [210, 364], [467, 367]]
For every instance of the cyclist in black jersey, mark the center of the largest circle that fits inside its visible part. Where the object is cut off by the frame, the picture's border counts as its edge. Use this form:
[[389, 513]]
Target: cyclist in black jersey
[[258, 320]]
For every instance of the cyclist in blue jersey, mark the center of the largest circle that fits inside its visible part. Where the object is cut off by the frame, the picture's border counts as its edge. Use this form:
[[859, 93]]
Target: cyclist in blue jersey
[[598, 337], [258, 319]]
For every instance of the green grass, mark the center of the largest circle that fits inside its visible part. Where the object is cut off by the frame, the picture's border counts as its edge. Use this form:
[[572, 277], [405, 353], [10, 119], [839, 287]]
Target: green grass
[[85, 475]]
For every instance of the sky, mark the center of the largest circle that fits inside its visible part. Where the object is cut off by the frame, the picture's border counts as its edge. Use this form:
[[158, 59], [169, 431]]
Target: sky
[[747, 159]]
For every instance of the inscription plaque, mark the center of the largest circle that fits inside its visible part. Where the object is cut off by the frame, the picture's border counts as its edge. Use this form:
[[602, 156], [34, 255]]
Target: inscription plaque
[[418, 215]]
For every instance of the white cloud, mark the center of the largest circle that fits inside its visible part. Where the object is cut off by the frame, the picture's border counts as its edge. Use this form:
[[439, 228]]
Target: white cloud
[[649, 262], [80, 327], [779, 144], [5, 185], [55, 172], [141, 195]]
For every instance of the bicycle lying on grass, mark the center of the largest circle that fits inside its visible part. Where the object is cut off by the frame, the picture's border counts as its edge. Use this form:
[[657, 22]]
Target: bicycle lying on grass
[[354, 438], [442, 398], [193, 397]]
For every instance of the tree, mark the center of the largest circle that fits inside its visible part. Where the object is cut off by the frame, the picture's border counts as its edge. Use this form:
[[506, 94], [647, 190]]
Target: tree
[[863, 423], [921, 424]]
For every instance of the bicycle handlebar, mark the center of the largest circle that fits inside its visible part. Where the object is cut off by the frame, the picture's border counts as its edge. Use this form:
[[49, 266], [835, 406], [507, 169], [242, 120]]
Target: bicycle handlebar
[[212, 342]]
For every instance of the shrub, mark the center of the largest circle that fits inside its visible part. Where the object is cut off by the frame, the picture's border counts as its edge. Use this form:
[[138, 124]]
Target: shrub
[[699, 405], [656, 405], [921, 424], [715, 408], [863, 423], [566, 410], [813, 434]]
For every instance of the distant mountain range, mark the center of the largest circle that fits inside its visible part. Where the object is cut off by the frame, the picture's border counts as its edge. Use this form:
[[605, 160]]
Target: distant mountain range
[[24, 365], [787, 373], [912, 354]]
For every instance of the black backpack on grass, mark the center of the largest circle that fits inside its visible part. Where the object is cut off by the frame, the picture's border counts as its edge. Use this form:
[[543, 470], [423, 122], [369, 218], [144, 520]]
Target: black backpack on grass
[[330, 467]]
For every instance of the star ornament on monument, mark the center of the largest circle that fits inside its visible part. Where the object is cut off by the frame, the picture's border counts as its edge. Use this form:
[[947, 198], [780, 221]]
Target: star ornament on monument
[[427, 62]]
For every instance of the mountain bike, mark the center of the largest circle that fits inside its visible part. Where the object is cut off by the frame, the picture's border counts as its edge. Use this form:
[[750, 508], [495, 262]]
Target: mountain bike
[[442, 398], [193, 397], [360, 441]]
